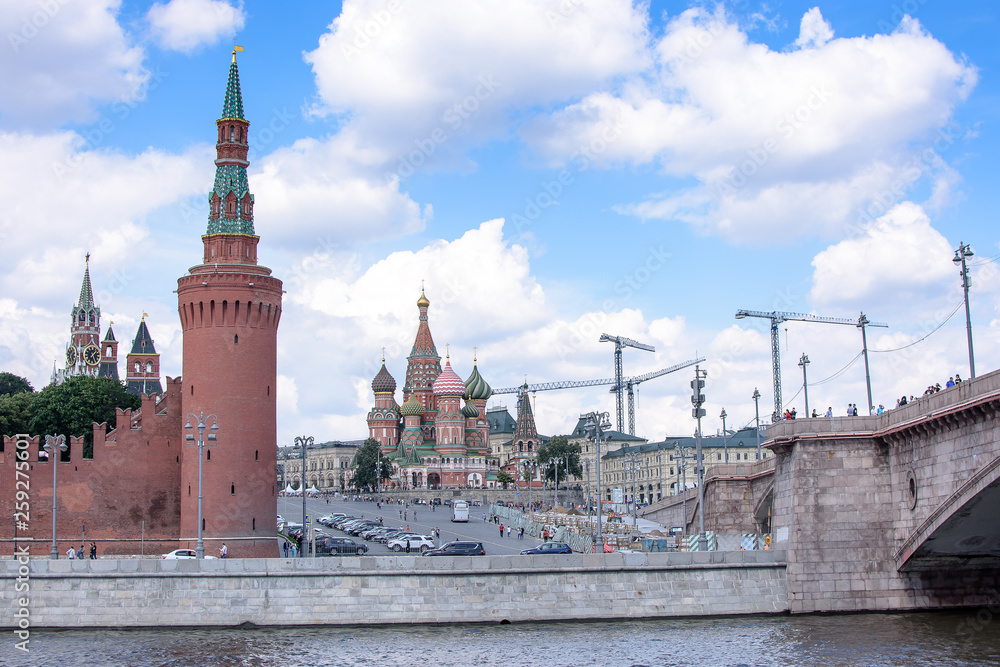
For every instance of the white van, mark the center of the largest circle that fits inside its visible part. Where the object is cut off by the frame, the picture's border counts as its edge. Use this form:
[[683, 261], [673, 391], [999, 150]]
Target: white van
[[460, 511]]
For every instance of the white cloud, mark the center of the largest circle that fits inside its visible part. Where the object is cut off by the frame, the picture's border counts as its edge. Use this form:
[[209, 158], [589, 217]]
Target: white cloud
[[815, 31], [330, 187], [63, 58], [185, 25], [900, 262], [561, 50], [764, 132]]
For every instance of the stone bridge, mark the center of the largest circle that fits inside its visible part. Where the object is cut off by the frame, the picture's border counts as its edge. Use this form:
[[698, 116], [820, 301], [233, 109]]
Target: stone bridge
[[896, 511]]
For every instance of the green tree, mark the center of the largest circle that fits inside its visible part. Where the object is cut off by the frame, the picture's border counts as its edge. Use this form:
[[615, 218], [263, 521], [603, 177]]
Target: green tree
[[559, 447], [15, 413], [504, 478], [72, 407], [365, 462], [11, 384]]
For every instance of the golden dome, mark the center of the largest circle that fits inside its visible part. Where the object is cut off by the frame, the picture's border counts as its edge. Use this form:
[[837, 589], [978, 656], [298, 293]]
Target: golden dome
[[422, 302]]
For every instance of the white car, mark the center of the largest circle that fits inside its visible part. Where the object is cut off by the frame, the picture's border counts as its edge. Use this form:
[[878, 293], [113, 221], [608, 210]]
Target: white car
[[184, 554], [419, 543]]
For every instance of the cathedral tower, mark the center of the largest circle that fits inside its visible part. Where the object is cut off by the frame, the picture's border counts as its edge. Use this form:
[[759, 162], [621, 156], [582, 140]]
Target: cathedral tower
[[229, 309]]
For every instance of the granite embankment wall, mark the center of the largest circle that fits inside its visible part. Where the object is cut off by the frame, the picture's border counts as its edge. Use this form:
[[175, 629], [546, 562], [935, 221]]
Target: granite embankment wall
[[372, 590]]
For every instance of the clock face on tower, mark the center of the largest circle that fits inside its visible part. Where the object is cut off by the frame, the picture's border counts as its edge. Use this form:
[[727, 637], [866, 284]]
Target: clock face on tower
[[70, 356], [92, 355]]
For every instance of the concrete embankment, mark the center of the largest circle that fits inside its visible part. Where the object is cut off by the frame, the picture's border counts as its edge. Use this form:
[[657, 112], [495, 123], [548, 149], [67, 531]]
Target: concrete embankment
[[378, 590]]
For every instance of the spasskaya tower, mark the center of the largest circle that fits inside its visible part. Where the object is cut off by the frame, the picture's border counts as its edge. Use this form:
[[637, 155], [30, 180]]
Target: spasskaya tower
[[229, 307]]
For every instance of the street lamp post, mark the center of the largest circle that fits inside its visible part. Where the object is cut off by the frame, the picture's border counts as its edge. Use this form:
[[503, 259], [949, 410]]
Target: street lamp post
[[554, 462], [756, 410], [804, 361], [189, 437], [53, 445], [598, 421], [961, 254], [725, 436], [697, 400], [633, 461], [303, 442]]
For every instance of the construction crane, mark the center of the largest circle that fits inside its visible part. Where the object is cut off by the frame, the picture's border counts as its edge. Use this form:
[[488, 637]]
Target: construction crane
[[778, 317], [627, 383], [632, 381], [621, 342]]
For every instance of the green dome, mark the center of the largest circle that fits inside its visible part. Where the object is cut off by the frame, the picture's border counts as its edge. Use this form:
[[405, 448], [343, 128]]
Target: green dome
[[476, 388], [469, 411]]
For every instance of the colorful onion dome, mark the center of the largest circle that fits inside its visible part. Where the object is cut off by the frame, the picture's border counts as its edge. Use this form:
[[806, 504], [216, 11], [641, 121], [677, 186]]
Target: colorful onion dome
[[411, 407], [469, 411], [476, 388], [383, 382], [422, 302], [448, 383]]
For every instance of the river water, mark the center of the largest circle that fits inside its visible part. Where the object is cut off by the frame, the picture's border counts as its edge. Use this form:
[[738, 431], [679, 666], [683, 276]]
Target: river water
[[870, 640]]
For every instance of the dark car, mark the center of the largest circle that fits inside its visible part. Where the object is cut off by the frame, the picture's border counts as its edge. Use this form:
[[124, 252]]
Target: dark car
[[549, 548], [458, 549], [339, 546]]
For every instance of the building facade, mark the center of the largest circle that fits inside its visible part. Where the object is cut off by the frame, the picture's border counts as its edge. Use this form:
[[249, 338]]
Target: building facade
[[661, 469], [328, 466]]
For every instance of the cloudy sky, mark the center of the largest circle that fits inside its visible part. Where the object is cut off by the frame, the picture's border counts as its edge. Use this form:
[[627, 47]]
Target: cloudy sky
[[550, 169]]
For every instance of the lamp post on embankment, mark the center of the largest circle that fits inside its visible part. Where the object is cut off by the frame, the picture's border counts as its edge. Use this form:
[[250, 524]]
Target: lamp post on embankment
[[54, 444]]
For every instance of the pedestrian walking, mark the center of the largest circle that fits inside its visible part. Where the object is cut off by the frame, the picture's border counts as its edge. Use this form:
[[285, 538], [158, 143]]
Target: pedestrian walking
[[224, 551], [285, 548], [407, 547], [501, 530], [93, 551], [79, 552], [520, 533], [71, 553]]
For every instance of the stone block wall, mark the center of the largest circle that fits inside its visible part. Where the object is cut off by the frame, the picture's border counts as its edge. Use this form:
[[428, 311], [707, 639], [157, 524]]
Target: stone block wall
[[397, 589]]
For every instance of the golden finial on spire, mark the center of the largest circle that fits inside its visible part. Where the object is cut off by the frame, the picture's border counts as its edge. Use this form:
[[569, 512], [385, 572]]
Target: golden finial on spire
[[144, 316], [88, 259], [235, 49], [422, 302], [474, 355], [447, 351], [383, 355]]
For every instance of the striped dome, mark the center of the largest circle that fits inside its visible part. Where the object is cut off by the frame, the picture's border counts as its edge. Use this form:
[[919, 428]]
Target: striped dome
[[448, 383], [476, 388], [469, 411], [411, 407], [383, 382]]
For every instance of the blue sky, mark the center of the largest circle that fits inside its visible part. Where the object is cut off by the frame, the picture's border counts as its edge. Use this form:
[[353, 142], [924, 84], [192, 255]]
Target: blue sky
[[551, 170]]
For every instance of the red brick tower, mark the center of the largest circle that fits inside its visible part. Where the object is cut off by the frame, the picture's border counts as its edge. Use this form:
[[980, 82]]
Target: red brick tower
[[142, 365], [229, 308]]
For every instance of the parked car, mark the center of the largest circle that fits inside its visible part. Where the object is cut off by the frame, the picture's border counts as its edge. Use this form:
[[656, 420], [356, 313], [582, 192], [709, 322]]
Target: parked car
[[458, 549], [549, 548], [184, 554], [419, 543], [340, 546]]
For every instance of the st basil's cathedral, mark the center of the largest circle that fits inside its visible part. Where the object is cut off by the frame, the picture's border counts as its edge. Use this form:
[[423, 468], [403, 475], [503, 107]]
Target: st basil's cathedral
[[432, 439]]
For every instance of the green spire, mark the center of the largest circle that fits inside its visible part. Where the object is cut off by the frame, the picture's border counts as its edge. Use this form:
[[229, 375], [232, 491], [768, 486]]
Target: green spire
[[232, 107], [86, 292]]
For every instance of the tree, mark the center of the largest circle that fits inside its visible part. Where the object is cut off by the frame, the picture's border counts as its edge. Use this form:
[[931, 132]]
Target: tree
[[72, 407], [15, 413], [504, 478], [559, 447], [11, 384], [365, 462]]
